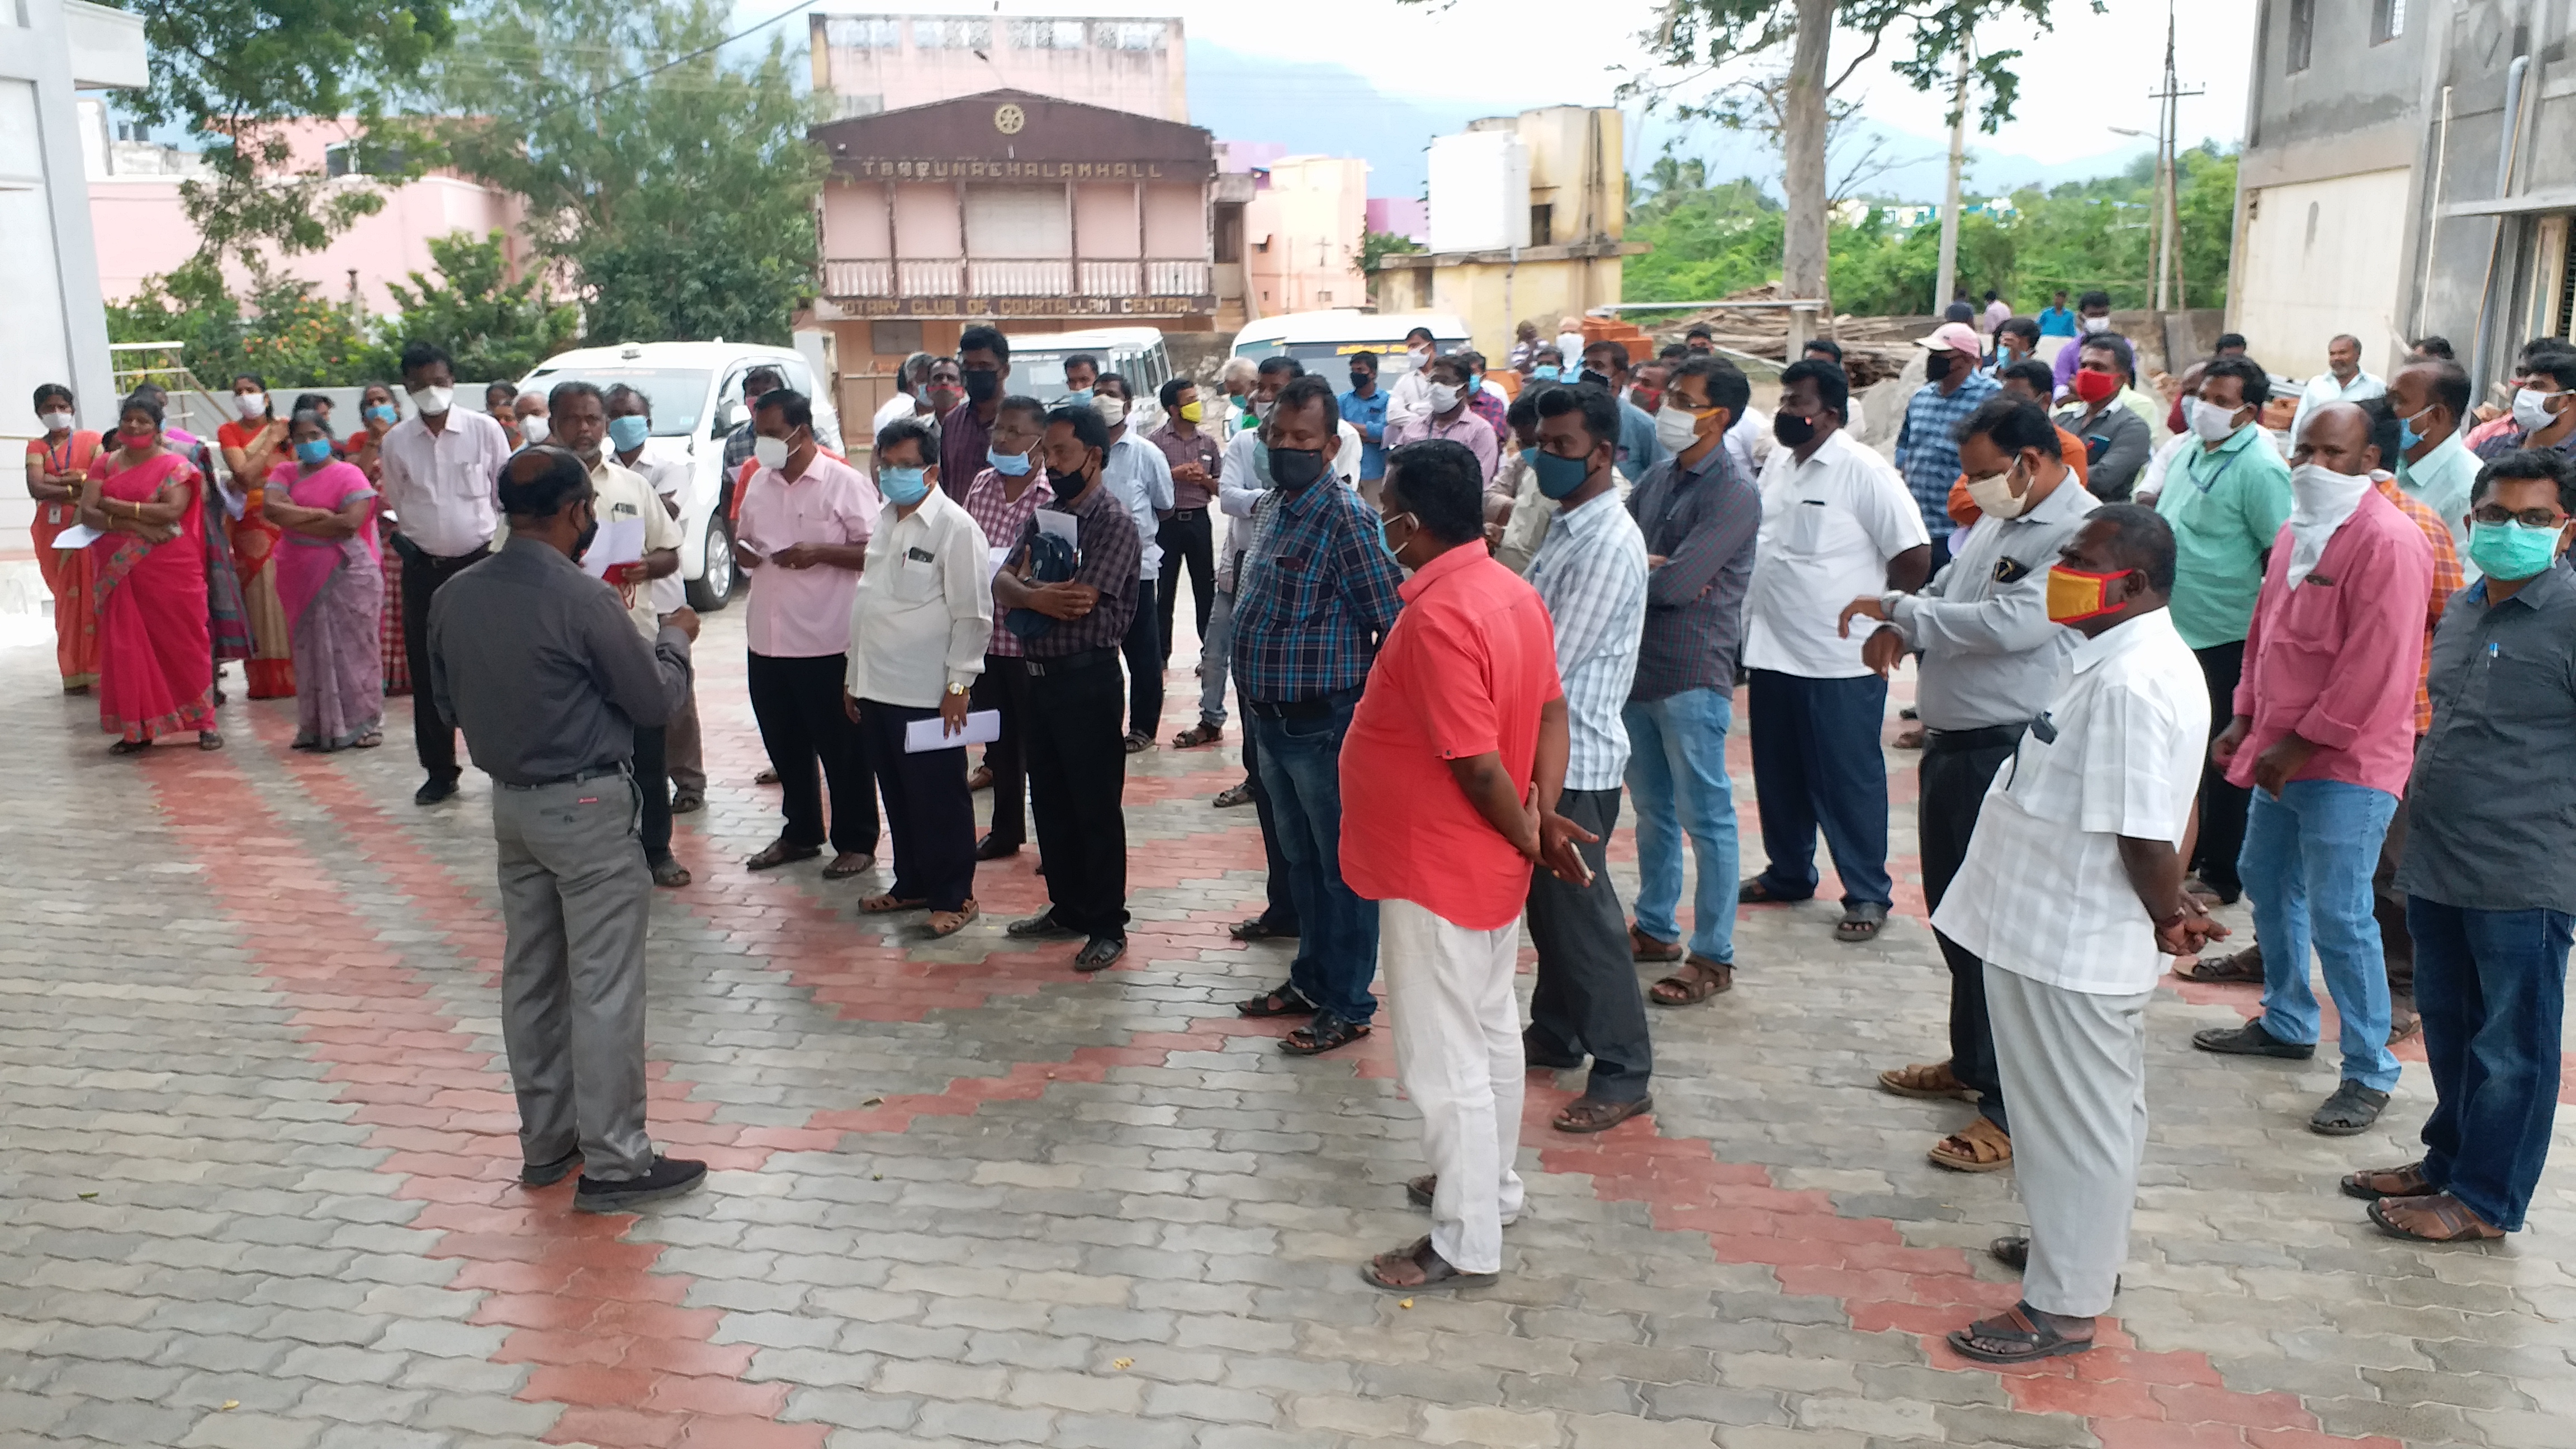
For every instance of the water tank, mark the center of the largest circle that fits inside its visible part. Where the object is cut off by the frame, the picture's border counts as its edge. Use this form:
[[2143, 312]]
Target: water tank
[[1480, 192]]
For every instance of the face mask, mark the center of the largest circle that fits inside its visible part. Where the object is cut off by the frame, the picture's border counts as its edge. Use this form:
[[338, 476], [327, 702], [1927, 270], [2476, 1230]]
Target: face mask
[[1790, 429], [1009, 465], [1296, 469], [139, 442], [315, 451], [56, 422], [1261, 409], [1936, 365], [1443, 397], [903, 487], [432, 401], [532, 429], [1675, 428], [1360, 379], [1112, 410], [377, 412], [2075, 595], [2511, 551], [589, 531], [1382, 541], [1558, 477], [251, 405], [2098, 324], [1420, 355], [1646, 399], [1597, 379], [1994, 496], [1192, 411], [2408, 435], [2317, 491], [1076, 397], [2213, 423], [943, 396], [1067, 486], [629, 432], [2095, 387], [2531, 409], [772, 452], [983, 384]]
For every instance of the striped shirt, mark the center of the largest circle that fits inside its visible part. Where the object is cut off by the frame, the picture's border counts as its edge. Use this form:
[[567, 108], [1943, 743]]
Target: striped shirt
[[1003, 519], [1702, 523], [1591, 573], [1927, 446], [1315, 597], [2448, 579]]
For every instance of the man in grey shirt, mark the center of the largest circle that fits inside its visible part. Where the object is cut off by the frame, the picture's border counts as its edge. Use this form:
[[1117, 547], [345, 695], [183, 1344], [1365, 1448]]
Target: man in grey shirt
[[1992, 659], [539, 664]]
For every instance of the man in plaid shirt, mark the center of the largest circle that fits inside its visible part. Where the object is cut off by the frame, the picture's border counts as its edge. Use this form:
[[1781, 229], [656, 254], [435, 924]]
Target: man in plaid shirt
[[1927, 446], [1316, 595]]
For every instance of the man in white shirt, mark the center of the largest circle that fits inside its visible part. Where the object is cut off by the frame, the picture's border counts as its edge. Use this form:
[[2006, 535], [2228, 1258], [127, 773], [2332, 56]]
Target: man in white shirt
[[1411, 395], [2071, 889], [630, 426], [1140, 478], [1837, 523], [911, 384], [918, 626], [577, 416], [441, 469], [2342, 381]]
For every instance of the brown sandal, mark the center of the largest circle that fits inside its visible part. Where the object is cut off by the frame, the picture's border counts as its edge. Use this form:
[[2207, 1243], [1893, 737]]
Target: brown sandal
[[1196, 735], [781, 853], [1643, 947], [1981, 1146], [2234, 969], [1697, 981], [1929, 1081], [1591, 1114], [1388, 1271], [949, 923], [887, 905], [2372, 1185], [2438, 1218]]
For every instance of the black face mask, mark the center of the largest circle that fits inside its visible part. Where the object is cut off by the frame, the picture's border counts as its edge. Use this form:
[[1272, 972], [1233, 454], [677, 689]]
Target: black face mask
[[1795, 431], [589, 531], [1067, 486], [1361, 379], [1599, 380], [1936, 365], [1296, 469], [983, 384]]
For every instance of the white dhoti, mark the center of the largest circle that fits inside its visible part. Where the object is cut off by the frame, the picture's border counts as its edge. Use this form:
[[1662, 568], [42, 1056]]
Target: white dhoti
[[1458, 1056], [2074, 1067]]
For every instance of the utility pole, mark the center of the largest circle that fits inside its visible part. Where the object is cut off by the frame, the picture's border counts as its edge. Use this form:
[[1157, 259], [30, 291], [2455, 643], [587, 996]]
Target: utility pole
[[1947, 280], [2167, 247]]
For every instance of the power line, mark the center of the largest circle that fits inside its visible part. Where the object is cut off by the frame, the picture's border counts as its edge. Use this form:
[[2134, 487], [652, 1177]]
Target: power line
[[703, 50]]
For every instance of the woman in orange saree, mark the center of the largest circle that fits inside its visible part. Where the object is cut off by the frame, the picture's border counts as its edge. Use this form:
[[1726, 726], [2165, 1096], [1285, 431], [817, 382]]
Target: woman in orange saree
[[56, 464], [156, 661], [251, 447]]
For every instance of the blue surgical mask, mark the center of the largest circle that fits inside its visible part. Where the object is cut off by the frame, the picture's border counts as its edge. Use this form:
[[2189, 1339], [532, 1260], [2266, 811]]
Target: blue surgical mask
[[2407, 436], [1381, 535], [314, 450], [378, 413], [628, 432], [1077, 397], [1009, 465], [1543, 373], [1558, 477], [904, 487]]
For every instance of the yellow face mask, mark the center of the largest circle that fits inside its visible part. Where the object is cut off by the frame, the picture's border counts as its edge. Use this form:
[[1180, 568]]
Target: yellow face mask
[[2075, 595], [1190, 411]]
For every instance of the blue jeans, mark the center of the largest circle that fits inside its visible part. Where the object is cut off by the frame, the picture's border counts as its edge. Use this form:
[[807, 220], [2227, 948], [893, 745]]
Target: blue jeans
[[1677, 775], [1301, 768], [2491, 986], [1817, 761], [2306, 865]]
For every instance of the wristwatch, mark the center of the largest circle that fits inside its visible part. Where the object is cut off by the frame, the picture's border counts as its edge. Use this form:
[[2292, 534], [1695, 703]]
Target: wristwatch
[[1887, 603], [957, 690]]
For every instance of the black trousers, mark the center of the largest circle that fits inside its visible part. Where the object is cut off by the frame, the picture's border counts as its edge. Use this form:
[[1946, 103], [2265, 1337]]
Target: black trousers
[[2222, 806], [1281, 913], [1004, 689], [929, 812], [1587, 998], [653, 783], [1145, 653], [423, 574], [1077, 789], [1953, 785], [798, 705], [1188, 538]]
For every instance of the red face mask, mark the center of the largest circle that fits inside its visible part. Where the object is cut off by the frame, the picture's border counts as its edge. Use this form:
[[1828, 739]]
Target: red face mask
[[2173, 417], [2094, 387]]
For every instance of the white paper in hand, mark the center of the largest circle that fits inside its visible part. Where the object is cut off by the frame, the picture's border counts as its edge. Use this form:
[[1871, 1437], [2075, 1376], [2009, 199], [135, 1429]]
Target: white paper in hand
[[620, 540], [983, 726], [1059, 525], [79, 535]]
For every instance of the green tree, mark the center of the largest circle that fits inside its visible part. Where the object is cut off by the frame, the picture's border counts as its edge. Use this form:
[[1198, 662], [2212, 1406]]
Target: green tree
[[677, 189], [1378, 245], [278, 329], [492, 326]]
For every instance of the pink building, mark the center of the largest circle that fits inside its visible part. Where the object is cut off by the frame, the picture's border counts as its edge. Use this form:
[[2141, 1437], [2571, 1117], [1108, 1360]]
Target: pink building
[[1301, 235], [879, 62], [1407, 217]]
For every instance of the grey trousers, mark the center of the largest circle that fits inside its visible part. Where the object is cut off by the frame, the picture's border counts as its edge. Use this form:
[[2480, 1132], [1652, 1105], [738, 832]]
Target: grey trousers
[[2074, 1065], [1587, 998], [574, 895], [684, 750], [1213, 661]]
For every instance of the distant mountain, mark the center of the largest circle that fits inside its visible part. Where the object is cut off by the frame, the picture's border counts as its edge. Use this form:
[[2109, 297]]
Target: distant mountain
[[1317, 108]]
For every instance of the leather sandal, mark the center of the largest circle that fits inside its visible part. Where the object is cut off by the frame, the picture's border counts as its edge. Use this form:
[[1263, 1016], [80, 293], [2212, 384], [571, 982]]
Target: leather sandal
[[1591, 1114], [670, 874], [2435, 1218], [982, 779], [1861, 923], [1643, 947], [1931, 1081], [1281, 1000], [1981, 1146], [1326, 1032], [1196, 735], [781, 853], [2235, 968], [1389, 1271], [949, 923], [2019, 1336], [2372, 1185], [887, 905], [848, 864], [1697, 981]]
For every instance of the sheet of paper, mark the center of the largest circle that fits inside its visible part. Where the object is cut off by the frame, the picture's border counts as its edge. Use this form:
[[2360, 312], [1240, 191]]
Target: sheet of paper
[[620, 540], [983, 726], [79, 535], [1059, 525], [994, 558]]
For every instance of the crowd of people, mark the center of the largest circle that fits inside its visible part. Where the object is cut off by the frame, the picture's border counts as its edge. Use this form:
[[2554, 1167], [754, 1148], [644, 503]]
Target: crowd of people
[[2292, 653]]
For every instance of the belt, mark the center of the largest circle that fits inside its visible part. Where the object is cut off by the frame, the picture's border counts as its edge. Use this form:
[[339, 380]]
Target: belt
[[1190, 513], [1070, 663], [1312, 707], [595, 772], [1992, 737]]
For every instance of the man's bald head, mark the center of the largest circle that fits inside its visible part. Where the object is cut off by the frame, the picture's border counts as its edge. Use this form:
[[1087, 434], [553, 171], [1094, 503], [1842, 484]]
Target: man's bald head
[[2337, 438]]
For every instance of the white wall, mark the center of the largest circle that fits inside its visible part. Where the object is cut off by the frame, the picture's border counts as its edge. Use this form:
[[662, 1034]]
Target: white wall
[[2321, 258]]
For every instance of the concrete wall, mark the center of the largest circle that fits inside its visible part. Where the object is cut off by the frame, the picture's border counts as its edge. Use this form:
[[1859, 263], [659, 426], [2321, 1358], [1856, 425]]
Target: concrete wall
[[1492, 298], [1302, 235], [2318, 258], [869, 63]]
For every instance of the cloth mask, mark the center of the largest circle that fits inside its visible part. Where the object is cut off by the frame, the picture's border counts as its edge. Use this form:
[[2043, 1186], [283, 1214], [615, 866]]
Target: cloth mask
[[772, 452], [2531, 409], [983, 383], [57, 422], [2075, 595], [1193, 411], [315, 451], [1558, 477], [1009, 465], [1596, 379], [2095, 387], [2321, 501], [1795, 431], [378, 413], [2097, 324], [630, 431], [251, 405], [1937, 365], [1675, 428], [432, 401], [1443, 397], [1361, 378], [533, 429], [589, 531], [903, 487], [1296, 469], [1112, 410], [1646, 399], [2511, 551], [1994, 496], [2212, 423]]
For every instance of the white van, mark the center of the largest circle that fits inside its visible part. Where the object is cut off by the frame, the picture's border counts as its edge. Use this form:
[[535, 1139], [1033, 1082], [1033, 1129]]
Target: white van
[[1321, 339], [1134, 353], [696, 393]]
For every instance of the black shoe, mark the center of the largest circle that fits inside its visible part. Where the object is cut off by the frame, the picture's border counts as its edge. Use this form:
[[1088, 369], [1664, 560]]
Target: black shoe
[[547, 1174], [668, 1177], [2251, 1040], [1099, 953], [688, 802], [2350, 1111], [1041, 927], [1260, 929], [994, 848], [435, 789], [1538, 1059]]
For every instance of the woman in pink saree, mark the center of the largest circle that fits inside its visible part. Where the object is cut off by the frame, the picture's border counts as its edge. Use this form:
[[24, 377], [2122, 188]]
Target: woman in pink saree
[[156, 670], [331, 586]]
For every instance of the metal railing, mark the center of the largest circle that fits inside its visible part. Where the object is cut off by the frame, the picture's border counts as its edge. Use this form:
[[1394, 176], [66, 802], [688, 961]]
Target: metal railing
[[866, 277]]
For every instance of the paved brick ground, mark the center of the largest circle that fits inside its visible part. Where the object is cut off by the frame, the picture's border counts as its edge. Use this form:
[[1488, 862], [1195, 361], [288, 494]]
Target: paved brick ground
[[256, 1174]]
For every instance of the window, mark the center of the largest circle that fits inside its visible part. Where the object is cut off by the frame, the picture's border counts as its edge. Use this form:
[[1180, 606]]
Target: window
[[864, 32], [952, 34], [2303, 31], [1046, 34], [1542, 225], [2387, 20], [1127, 34]]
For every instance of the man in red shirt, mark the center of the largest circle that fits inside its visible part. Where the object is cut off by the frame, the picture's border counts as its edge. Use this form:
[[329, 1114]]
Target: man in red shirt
[[1459, 745]]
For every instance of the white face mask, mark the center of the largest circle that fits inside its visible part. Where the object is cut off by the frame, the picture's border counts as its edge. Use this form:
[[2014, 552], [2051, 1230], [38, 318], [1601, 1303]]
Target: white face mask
[[772, 452], [1675, 429], [2212, 423], [2098, 324], [56, 422], [432, 401], [1443, 397], [251, 405], [2317, 491], [2531, 409], [1112, 410], [533, 429], [1994, 496]]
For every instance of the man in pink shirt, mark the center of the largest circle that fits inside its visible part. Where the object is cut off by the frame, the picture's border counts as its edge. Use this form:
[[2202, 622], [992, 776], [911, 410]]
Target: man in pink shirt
[[2325, 732], [802, 538], [1454, 761]]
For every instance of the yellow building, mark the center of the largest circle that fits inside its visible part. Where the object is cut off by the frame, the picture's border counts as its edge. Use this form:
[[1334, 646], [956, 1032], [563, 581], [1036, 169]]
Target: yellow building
[[1526, 217]]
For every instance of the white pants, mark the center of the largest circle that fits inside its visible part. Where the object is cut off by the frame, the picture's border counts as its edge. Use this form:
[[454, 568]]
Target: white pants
[[2074, 1066], [1458, 1056]]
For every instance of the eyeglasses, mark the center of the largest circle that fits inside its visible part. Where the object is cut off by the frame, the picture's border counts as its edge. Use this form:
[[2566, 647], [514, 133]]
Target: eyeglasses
[[2495, 516]]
